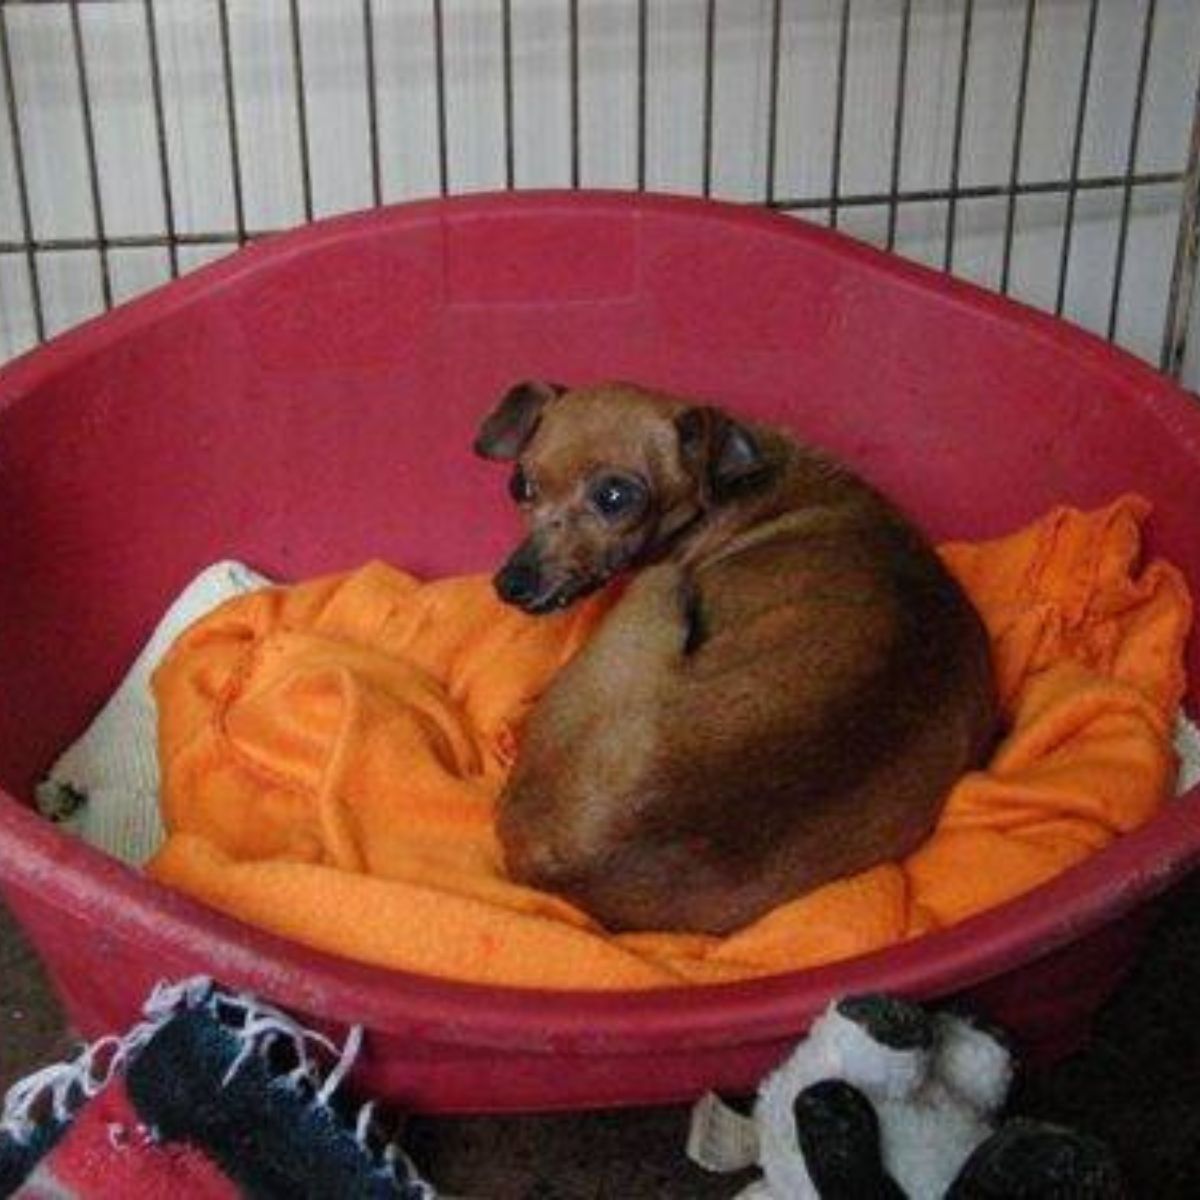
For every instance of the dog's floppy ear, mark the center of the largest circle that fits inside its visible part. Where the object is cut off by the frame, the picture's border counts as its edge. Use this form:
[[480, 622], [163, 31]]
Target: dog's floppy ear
[[506, 430], [719, 452]]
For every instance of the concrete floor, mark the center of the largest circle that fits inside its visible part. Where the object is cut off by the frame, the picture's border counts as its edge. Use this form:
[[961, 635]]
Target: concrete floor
[[31, 1024], [1137, 1085]]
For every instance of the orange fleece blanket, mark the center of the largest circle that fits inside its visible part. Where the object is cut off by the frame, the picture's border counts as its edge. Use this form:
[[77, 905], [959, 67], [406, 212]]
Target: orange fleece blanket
[[332, 753]]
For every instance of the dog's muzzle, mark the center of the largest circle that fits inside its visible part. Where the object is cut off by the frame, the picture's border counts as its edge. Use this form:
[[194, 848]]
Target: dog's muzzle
[[522, 583]]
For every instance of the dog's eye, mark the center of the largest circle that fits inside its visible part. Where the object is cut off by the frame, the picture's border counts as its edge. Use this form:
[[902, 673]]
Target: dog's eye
[[614, 496], [520, 487]]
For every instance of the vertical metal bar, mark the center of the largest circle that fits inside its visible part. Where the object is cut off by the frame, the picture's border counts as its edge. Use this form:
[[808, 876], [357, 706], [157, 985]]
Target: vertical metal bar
[[1081, 110], [573, 71], [14, 132], [1014, 171], [773, 97], [368, 17], [93, 164], [898, 125], [1187, 253], [643, 56], [964, 62], [1135, 134], [160, 130], [510, 172], [710, 57], [839, 116], [439, 53], [235, 154], [301, 106]]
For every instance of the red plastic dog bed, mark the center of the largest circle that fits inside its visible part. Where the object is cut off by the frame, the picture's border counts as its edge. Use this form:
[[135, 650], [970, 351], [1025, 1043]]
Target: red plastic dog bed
[[310, 403]]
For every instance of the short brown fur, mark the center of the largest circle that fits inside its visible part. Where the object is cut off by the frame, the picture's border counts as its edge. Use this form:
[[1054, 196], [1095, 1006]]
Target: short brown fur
[[784, 694]]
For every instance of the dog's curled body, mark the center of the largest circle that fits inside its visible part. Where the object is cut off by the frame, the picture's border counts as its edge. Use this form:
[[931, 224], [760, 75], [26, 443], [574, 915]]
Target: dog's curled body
[[784, 694]]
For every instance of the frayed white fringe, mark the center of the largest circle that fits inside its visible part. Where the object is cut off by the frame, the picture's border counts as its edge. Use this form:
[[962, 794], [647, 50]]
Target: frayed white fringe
[[68, 1085]]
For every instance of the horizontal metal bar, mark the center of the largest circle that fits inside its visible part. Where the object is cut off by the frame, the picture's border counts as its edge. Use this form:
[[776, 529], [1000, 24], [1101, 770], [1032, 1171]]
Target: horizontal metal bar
[[147, 241], [226, 237], [1046, 187]]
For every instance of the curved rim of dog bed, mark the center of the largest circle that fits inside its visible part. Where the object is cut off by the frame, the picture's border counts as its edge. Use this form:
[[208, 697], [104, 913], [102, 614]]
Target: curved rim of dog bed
[[79, 880], [75, 878]]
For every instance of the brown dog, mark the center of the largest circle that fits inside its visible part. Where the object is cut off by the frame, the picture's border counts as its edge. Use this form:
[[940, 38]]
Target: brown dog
[[784, 694]]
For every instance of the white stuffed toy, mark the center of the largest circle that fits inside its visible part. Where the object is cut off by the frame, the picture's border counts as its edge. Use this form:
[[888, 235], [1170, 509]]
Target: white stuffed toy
[[885, 1102]]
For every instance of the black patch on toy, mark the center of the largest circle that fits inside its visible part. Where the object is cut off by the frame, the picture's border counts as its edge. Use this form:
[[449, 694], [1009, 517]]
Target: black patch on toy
[[1033, 1160], [890, 1022], [837, 1132]]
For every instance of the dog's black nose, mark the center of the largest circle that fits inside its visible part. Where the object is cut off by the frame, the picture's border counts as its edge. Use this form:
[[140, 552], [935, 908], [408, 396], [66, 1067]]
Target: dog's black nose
[[517, 583]]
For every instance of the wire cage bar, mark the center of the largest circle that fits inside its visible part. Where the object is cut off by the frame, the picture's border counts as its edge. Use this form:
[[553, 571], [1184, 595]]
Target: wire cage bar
[[750, 90]]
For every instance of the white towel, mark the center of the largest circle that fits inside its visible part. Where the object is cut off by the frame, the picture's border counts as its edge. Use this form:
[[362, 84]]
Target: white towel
[[105, 787], [1187, 746]]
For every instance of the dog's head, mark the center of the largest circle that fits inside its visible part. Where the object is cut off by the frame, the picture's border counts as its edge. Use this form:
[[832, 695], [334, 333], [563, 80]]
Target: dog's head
[[607, 478]]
